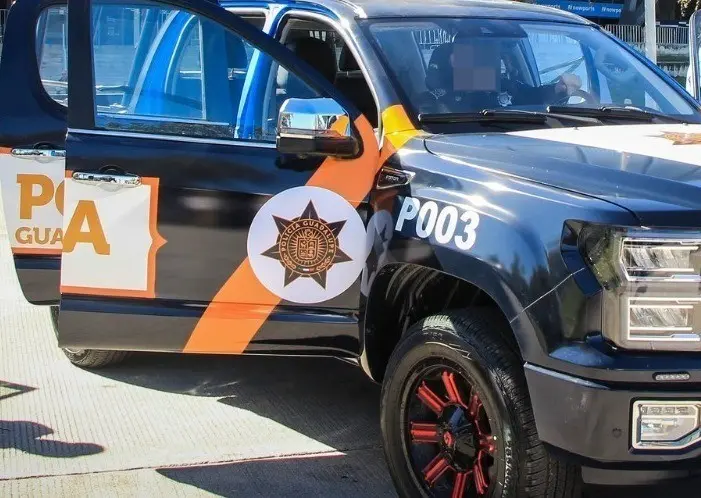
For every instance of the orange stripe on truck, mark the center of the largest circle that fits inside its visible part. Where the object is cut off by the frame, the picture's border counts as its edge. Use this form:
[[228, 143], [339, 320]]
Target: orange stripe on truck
[[229, 324]]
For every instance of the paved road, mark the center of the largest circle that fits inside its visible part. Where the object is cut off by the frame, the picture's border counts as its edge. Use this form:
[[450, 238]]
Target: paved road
[[175, 425]]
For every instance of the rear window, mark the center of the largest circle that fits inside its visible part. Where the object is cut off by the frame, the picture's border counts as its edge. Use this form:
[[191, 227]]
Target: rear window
[[52, 50]]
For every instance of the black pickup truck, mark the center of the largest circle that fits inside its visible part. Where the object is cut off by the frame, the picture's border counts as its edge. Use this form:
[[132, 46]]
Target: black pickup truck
[[493, 208]]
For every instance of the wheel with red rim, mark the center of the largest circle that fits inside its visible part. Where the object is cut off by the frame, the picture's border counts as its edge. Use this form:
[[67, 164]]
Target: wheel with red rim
[[447, 431], [456, 419]]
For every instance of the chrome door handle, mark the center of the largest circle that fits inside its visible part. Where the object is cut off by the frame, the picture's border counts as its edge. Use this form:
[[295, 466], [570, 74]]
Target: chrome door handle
[[107, 178], [38, 153]]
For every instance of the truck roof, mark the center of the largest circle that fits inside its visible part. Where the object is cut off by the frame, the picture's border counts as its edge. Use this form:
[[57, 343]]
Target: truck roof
[[456, 8], [493, 9]]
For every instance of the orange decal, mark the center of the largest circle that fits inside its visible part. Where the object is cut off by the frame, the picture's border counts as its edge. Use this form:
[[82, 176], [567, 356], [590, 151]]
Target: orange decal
[[36, 251], [157, 242], [5, 150], [86, 214], [229, 324], [27, 198], [27, 203]]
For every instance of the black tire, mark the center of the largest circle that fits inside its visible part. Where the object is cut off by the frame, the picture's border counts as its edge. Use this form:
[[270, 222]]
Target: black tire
[[88, 358], [474, 345]]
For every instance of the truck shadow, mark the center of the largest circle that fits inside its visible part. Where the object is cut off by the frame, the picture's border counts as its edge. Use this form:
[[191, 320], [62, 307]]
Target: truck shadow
[[324, 399], [351, 475]]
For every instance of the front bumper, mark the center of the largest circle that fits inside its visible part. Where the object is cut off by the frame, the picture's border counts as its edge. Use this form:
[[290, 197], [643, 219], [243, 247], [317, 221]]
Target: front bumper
[[590, 422]]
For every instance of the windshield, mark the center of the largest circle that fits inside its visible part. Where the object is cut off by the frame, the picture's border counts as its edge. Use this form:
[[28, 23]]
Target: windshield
[[454, 66]]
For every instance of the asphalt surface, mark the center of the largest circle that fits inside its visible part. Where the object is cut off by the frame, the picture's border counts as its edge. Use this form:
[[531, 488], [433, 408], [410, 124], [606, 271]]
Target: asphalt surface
[[177, 425]]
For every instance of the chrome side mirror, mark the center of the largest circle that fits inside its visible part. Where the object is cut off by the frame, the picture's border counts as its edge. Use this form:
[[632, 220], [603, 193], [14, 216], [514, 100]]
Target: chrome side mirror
[[693, 82], [315, 127]]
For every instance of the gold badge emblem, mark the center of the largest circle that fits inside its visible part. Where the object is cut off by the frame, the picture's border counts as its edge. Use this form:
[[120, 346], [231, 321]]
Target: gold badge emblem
[[678, 138], [307, 246]]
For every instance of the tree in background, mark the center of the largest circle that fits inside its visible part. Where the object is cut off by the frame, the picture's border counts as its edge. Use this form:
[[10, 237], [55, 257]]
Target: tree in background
[[688, 7]]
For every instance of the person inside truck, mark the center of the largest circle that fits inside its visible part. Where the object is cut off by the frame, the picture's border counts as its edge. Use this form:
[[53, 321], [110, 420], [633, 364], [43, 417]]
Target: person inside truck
[[466, 76]]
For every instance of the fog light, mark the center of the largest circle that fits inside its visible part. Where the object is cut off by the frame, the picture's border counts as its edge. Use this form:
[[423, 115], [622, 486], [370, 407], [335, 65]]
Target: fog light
[[665, 425]]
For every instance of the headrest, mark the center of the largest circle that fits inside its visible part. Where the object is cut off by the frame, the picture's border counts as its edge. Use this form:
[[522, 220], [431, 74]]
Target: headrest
[[439, 74], [317, 53], [347, 61]]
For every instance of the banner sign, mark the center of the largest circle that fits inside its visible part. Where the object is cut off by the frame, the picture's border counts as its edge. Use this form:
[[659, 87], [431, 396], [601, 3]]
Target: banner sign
[[586, 9]]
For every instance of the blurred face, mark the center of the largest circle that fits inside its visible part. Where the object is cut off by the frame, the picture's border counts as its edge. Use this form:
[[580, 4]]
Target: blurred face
[[476, 66]]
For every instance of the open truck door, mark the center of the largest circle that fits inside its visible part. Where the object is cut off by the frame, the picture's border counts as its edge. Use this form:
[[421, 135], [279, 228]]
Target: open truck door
[[33, 117], [168, 181]]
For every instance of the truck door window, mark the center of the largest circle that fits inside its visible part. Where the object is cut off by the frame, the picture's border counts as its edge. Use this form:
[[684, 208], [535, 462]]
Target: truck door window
[[168, 72], [51, 51]]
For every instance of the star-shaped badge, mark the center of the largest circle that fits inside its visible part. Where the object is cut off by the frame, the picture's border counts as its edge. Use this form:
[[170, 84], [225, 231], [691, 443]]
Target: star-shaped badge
[[307, 246]]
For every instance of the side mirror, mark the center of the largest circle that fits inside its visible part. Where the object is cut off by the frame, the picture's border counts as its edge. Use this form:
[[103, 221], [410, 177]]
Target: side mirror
[[693, 84], [315, 127]]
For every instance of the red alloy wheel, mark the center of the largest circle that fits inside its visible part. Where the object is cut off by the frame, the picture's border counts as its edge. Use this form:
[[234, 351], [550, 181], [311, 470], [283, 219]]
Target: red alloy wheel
[[448, 437]]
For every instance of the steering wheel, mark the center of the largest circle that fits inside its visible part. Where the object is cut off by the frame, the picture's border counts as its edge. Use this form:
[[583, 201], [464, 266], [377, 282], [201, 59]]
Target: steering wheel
[[586, 98], [613, 67]]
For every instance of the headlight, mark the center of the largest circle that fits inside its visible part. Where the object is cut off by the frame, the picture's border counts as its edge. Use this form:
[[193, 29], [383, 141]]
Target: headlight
[[651, 259], [651, 278]]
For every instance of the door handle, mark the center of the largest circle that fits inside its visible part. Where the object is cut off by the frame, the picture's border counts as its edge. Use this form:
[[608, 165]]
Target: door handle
[[38, 153], [123, 180]]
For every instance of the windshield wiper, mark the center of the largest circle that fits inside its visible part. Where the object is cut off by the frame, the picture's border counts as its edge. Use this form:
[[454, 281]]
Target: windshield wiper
[[613, 112], [486, 116]]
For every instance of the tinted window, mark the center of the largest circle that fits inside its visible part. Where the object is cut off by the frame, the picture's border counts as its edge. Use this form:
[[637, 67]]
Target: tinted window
[[51, 48]]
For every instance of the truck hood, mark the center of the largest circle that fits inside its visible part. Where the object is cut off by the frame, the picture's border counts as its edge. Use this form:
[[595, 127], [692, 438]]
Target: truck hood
[[653, 171]]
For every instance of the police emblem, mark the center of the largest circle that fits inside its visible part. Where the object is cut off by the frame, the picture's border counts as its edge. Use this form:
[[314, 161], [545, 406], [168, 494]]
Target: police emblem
[[307, 246], [678, 138], [504, 99]]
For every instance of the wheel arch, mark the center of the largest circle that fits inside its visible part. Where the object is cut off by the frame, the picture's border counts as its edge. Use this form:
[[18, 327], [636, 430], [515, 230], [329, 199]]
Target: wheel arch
[[404, 293]]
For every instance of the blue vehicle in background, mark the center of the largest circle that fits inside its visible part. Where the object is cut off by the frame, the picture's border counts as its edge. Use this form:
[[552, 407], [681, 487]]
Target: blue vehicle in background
[[492, 208]]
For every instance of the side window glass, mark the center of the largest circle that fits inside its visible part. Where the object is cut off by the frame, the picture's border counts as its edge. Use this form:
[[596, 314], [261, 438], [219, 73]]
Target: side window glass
[[166, 71], [52, 52]]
